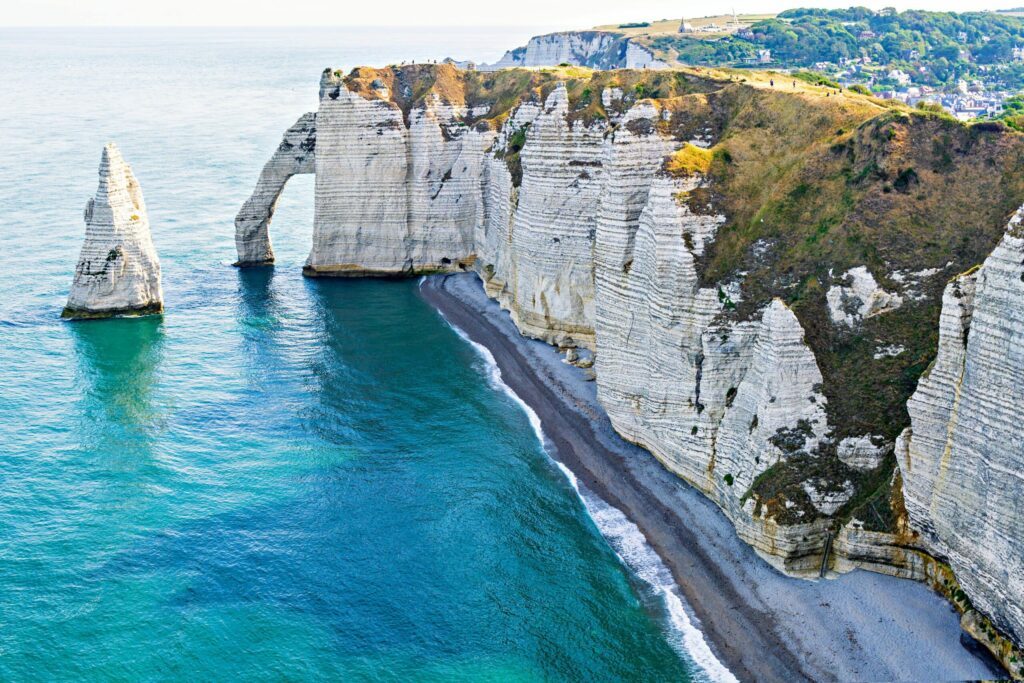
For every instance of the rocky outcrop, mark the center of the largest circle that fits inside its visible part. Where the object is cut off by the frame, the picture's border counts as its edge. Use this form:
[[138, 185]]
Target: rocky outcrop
[[118, 272], [863, 453], [294, 155], [594, 49], [962, 457], [860, 298]]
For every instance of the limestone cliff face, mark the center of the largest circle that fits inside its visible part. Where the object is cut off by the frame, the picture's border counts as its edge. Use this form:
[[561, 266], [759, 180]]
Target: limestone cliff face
[[393, 195], [494, 234], [595, 49], [962, 458], [118, 272]]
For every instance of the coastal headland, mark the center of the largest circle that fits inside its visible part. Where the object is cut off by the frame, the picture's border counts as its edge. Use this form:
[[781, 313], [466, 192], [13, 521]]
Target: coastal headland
[[803, 302]]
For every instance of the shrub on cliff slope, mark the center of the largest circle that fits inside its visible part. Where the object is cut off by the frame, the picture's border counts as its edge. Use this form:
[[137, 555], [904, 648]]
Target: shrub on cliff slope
[[816, 187]]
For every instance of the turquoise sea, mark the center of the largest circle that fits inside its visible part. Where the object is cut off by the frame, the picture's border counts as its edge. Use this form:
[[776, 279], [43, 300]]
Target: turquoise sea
[[281, 478]]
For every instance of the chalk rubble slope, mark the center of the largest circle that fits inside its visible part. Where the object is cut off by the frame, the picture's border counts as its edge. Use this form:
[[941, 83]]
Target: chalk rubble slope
[[118, 271]]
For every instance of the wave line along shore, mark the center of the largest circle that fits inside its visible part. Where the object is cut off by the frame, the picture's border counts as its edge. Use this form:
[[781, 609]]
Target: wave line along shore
[[626, 539], [761, 624]]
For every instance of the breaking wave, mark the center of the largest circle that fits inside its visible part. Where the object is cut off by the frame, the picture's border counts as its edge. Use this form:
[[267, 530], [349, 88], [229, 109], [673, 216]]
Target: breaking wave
[[625, 538]]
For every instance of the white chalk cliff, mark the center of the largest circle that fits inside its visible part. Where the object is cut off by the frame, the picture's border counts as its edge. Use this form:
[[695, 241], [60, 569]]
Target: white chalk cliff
[[118, 272], [294, 155], [595, 49], [707, 396], [962, 458], [576, 227], [392, 195]]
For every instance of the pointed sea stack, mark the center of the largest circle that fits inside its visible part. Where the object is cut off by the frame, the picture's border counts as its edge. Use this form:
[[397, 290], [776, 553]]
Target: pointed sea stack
[[118, 271]]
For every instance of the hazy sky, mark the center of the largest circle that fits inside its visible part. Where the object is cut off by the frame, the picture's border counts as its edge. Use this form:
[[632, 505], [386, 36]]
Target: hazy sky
[[550, 13]]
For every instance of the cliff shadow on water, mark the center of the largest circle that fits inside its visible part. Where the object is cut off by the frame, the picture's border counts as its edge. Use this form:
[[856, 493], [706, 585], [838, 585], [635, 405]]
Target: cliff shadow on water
[[256, 295], [261, 317], [119, 363]]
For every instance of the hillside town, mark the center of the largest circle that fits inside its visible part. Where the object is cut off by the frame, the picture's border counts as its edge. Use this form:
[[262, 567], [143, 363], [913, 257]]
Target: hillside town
[[966, 100], [970, 64]]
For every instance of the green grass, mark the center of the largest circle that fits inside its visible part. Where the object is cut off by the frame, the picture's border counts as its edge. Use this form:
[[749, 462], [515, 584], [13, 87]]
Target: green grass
[[815, 78], [689, 160]]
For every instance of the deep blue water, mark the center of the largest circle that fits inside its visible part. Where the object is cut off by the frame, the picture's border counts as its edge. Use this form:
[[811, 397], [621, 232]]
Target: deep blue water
[[279, 479]]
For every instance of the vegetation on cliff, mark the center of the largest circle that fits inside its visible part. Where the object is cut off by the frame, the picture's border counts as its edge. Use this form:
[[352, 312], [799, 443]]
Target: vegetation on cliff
[[491, 96], [815, 183], [814, 186], [937, 48]]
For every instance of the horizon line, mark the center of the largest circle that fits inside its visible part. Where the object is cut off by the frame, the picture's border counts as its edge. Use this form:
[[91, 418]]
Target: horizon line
[[390, 26]]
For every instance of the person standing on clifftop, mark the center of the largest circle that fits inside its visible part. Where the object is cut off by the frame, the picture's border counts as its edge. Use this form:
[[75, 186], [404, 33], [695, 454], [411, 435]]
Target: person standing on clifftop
[[772, 81]]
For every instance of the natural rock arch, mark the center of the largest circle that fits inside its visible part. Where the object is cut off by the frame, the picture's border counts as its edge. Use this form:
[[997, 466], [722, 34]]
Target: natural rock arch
[[294, 155]]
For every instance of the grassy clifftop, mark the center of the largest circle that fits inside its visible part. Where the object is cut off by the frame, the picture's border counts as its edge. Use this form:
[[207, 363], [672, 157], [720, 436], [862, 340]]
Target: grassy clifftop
[[493, 95], [815, 183], [814, 188]]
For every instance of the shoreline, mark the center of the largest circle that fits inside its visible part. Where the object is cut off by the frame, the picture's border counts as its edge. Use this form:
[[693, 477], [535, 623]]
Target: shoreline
[[761, 624]]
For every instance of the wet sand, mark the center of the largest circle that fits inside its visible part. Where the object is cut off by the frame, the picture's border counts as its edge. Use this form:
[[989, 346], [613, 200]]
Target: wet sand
[[763, 625]]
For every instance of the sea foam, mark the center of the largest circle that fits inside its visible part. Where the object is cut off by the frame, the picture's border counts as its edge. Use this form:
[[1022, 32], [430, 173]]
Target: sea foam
[[625, 538]]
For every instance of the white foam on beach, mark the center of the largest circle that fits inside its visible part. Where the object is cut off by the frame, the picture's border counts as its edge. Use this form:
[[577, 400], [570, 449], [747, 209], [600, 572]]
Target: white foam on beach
[[635, 552], [494, 379], [625, 538]]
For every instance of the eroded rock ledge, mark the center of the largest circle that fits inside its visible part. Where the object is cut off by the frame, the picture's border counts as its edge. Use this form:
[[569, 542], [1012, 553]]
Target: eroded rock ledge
[[716, 243]]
